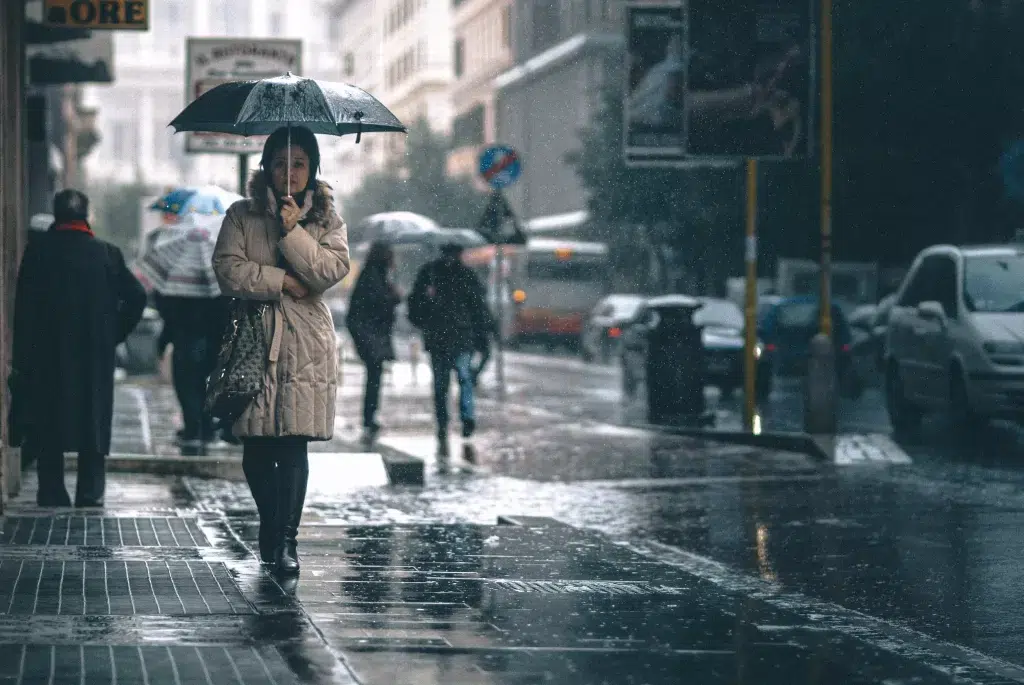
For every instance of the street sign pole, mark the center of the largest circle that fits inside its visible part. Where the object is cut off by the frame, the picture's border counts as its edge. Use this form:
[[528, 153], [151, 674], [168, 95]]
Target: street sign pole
[[500, 167], [499, 306], [243, 174], [750, 309]]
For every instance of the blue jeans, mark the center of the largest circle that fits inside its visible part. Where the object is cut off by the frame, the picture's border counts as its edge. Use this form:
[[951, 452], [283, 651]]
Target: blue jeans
[[441, 365]]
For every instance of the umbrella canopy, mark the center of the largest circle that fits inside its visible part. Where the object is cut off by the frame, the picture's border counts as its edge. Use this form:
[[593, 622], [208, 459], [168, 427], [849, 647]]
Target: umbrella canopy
[[179, 262], [387, 225], [208, 200], [250, 108]]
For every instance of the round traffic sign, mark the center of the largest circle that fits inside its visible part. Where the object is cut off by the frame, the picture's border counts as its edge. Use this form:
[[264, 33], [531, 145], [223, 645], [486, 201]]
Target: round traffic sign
[[500, 166]]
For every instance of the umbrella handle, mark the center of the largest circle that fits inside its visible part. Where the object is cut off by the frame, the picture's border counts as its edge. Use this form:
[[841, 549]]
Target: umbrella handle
[[359, 131]]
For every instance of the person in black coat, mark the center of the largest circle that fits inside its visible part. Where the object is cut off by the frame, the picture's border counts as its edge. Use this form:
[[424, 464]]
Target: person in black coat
[[194, 326], [370, 321], [448, 305], [75, 302]]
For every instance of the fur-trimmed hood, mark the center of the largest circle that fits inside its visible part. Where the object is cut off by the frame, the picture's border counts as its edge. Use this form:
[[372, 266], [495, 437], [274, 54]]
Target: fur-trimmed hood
[[317, 208]]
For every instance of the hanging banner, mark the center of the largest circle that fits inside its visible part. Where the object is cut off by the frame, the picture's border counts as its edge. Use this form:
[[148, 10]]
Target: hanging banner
[[213, 61], [653, 99]]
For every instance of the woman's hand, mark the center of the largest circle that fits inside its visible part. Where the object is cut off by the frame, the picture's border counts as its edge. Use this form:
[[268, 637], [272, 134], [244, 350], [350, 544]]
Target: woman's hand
[[289, 214], [294, 287]]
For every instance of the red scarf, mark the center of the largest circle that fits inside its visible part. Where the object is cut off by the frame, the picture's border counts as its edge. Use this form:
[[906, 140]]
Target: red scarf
[[80, 226]]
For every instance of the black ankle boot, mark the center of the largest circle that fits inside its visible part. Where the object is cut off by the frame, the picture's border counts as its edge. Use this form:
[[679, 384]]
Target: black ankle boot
[[292, 476], [260, 473]]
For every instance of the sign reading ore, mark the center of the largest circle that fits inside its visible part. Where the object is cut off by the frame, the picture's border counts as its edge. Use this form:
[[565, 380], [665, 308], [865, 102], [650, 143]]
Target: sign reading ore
[[122, 15], [213, 61]]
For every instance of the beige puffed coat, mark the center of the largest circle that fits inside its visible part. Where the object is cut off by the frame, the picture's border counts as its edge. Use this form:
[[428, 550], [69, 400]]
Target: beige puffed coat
[[302, 378]]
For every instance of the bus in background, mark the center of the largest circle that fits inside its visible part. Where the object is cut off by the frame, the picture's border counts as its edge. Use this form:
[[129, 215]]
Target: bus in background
[[552, 285]]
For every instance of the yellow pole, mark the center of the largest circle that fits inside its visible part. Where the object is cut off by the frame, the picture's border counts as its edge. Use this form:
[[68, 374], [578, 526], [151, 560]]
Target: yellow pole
[[750, 310], [826, 167]]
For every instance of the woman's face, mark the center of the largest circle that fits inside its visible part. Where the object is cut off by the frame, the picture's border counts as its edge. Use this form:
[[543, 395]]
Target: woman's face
[[298, 175]]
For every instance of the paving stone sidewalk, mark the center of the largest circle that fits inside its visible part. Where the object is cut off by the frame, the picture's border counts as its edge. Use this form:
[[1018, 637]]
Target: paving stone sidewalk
[[164, 587]]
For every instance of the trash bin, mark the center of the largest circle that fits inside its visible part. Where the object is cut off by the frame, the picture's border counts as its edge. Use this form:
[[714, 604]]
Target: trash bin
[[675, 368]]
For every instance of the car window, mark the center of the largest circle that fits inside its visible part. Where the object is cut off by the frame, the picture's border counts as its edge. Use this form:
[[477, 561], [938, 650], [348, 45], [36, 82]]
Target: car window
[[935, 281], [994, 283], [797, 315], [719, 314], [605, 310]]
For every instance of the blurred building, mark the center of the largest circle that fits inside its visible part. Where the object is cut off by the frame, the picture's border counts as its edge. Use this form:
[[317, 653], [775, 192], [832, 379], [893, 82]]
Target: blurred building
[[563, 51], [482, 49], [359, 25], [416, 61], [136, 143]]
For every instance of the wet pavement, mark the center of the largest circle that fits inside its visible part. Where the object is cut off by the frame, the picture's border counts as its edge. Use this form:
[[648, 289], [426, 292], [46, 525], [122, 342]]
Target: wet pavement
[[173, 593], [921, 536]]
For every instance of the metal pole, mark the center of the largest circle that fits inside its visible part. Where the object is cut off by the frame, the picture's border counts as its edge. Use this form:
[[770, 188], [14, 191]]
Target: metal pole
[[826, 168], [243, 174], [499, 305], [750, 311]]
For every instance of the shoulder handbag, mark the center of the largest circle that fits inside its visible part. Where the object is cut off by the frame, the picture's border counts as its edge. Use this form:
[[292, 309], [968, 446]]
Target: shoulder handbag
[[241, 368]]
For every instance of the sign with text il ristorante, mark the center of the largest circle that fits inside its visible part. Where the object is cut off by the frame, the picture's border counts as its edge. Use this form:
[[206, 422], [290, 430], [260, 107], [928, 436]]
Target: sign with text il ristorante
[[213, 61]]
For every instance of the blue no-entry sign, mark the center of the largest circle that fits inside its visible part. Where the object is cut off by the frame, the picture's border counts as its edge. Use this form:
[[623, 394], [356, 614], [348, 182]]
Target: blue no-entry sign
[[500, 166]]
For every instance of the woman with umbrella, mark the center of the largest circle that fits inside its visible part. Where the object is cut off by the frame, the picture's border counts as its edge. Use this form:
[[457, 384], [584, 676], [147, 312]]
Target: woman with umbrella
[[371, 319], [286, 245]]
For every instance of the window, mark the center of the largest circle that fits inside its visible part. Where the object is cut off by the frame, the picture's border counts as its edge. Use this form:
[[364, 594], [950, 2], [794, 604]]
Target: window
[[994, 283], [230, 18], [349, 64], [934, 280], [276, 24], [460, 57], [123, 141], [421, 54], [719, 314], [565, 271]]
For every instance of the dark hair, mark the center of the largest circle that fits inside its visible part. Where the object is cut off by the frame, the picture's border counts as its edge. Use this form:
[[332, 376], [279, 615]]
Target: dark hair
[[301, 136], [70, 205], [380, 254]]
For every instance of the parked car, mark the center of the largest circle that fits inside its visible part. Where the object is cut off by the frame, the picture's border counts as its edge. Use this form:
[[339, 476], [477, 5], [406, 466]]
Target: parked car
[[956, 337], [602, 331], [721, 336], [787, 329]]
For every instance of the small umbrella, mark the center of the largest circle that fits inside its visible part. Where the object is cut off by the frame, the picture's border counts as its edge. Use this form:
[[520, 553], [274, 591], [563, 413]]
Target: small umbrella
[[250, 108], [209, 200], [389, 224], [179, 262]]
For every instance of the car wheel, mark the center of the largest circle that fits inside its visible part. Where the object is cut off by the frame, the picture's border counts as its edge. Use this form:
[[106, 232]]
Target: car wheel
[[966, 421], [904, 417]]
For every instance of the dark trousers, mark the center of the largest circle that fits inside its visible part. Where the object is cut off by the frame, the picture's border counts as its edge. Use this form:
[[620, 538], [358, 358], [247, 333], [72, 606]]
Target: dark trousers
[[50, 469], [442, 365], [371, 394], [193, 359]]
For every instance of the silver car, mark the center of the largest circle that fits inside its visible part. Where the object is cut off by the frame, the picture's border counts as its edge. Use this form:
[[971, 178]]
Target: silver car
[[956, 337], [602, 331]]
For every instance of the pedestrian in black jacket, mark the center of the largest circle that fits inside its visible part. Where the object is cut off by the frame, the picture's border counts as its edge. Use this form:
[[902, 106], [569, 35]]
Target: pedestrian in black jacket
[[75, 302], [194, 326], [447, 304], [371, 321]]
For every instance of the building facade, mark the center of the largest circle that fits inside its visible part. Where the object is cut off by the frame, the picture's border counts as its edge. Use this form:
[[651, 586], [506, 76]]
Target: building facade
[[482, 49], [359, 26], [416, 58], [564, 50]]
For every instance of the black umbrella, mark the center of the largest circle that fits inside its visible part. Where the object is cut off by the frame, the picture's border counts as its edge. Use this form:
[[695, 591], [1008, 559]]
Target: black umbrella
[[249, 108]]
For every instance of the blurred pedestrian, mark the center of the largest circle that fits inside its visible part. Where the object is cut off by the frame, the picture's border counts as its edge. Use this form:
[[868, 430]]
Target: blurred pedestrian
[[193, 326], [75, 302], [286, 250], [447, 304], [371, 321]]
